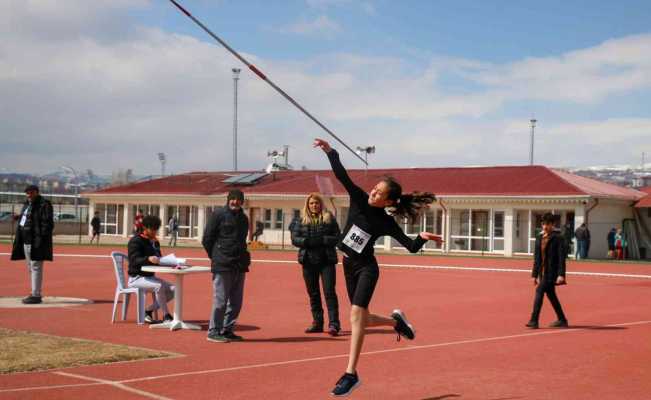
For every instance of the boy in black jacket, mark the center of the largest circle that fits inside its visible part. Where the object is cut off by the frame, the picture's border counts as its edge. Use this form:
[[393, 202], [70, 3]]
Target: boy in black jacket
[[144, 249], [548, 271]]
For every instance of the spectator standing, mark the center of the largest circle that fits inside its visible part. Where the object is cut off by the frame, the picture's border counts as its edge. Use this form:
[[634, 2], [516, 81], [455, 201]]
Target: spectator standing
[[316, 234], [582, 235], [33, 240], [611, 242], [95, 224], [137, 223], [620, 244], [224, 239], [173, 229]]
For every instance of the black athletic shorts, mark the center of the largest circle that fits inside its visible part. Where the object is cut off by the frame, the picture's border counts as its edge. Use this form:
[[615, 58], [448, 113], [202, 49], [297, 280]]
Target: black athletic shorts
[[361, 278]]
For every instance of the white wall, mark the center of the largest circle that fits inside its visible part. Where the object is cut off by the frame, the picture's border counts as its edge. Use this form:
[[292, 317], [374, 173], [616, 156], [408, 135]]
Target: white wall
[[606, 215]]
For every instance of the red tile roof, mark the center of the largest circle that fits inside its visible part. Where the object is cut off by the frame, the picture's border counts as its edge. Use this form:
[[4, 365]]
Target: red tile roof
[[471, 181], [645, 202]]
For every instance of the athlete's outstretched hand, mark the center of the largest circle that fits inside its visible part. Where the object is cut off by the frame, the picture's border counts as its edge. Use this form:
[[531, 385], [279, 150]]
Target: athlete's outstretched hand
[[325, 146], [431, 236]]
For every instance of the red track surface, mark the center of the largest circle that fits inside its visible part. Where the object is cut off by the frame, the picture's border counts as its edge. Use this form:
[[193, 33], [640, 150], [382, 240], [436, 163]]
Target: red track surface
[[471, 342]]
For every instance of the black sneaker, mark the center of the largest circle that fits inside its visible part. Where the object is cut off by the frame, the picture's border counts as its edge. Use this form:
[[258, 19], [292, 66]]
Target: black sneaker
[[168, 318], [315, 328], [216, 337], [232, 337], [532, 324], [32, 300], [561, 323], [403, 328], [149, 317], [346, 384], [333, 330]]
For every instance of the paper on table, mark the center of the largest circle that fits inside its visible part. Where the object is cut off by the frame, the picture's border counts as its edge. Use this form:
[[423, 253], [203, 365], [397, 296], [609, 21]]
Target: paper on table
[[171, 260]]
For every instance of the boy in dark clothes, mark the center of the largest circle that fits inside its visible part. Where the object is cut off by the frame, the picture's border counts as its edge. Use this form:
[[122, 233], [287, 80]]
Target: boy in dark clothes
[[548, 271]]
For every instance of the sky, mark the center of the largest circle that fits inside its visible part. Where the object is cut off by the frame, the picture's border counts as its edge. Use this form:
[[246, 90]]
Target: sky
[[109, 84]]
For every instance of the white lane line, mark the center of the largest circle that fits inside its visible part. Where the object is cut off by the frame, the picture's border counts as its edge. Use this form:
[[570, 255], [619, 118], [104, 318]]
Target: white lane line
[[97, 382], [411, 348], [114, 384], [410, 266]]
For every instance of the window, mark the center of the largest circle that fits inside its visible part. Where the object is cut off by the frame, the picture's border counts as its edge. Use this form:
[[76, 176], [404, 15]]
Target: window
[[267, 218], [498, 224], [296, 214], [111, 216], [278, 220], [498, 230], [470, 230]]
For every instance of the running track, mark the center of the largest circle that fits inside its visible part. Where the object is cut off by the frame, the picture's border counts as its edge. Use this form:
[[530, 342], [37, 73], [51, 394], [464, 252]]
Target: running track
[[470, 344]]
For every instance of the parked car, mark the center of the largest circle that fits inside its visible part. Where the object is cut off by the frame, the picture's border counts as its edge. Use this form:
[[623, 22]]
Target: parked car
[[6, 216], [65, 217]]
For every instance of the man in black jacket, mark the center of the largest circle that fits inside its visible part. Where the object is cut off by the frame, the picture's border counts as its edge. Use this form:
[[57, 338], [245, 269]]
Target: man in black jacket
[[548, 271], [33, 241], [225, 242]]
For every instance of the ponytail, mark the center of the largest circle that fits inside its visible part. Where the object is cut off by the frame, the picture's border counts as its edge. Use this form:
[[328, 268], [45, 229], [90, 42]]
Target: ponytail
[[407, 205]]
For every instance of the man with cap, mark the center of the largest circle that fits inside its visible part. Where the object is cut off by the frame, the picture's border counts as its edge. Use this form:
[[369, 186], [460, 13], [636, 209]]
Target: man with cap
[[225, 242], [33, 241]]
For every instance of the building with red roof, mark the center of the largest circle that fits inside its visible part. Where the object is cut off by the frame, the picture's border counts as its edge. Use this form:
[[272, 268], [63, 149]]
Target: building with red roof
[[478, 209]]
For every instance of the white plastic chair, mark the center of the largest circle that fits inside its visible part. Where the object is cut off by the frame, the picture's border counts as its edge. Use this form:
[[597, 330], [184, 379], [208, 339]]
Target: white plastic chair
[[122, 289]]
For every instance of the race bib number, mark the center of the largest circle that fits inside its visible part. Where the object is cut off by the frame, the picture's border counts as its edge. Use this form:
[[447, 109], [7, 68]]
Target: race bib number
[[356, 239]]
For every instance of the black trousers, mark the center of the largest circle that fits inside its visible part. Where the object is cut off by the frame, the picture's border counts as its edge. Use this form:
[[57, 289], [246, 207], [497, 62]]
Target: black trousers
[[328, 275], [549, 288]]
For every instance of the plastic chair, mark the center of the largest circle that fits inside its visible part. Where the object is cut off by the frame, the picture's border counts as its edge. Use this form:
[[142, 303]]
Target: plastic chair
[[122, 289]]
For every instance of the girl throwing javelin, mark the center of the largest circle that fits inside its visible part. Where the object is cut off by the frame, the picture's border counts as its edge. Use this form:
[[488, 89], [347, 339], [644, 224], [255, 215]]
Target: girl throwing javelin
[[368, 220]]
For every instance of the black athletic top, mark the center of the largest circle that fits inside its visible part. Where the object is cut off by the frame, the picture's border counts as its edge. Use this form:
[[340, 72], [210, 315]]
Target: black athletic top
[[366, 223]]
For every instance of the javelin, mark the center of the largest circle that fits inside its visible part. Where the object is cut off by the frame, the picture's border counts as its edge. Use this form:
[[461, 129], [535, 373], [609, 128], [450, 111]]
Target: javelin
[[264, 78]]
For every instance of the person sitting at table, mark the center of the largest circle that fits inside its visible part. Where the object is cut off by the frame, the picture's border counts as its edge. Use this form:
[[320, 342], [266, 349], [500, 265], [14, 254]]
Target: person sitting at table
[[144, 249]]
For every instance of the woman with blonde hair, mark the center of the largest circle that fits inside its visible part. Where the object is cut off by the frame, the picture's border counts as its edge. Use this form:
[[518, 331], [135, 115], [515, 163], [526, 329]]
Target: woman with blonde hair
[[316, 233]]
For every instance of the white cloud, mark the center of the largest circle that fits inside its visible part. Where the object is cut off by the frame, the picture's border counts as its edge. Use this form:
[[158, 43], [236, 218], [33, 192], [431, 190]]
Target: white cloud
[[319, 26], [72, 93]]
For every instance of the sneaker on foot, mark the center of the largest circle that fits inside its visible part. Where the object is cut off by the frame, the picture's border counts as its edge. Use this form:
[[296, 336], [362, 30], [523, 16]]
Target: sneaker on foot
[[32, 300], [315, 328], [168, 318], [403, 328], [216, 337], [532, 324], [561, 323], [149, 317], [232, 336], [333, 330], [346, 384]]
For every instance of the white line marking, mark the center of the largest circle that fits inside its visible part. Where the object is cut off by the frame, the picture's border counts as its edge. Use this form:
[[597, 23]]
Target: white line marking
[[97, 382], [117, 385], [428, 346], [410, 266]]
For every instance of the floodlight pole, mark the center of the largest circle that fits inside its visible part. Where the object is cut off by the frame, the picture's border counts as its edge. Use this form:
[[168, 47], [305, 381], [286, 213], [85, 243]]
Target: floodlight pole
[[531, 139], [236, 77]]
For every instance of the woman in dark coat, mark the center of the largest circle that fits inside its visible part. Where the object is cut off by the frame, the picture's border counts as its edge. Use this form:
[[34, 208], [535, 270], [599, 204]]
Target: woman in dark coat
[[316, 233]]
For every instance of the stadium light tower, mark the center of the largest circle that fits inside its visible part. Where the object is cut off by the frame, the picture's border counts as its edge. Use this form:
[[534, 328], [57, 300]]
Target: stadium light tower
[[236, 77], [533, 126], [163, 160]]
